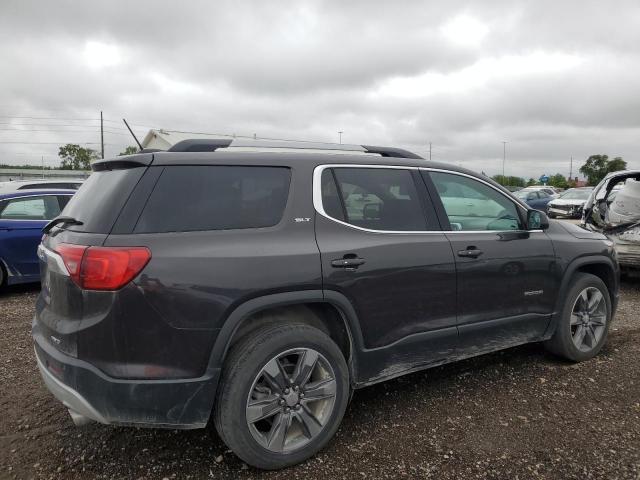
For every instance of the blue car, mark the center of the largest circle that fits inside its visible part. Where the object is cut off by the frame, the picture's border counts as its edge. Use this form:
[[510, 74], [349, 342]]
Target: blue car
[[22, 215], [537, 199]]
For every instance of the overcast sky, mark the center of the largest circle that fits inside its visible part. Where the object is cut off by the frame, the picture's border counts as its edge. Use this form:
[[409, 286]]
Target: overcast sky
[[553, 79]]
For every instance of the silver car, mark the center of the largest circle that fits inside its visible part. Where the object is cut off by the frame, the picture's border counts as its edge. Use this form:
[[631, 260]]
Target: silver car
[[613, 208]]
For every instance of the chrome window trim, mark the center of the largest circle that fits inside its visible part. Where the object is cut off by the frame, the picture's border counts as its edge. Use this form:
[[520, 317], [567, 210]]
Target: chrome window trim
[[29, 196], [319, 208]]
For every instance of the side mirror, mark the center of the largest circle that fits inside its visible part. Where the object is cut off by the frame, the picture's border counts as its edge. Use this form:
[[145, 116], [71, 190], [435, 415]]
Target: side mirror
[[537, 220]]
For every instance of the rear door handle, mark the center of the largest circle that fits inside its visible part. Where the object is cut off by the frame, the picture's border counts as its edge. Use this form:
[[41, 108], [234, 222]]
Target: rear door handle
[[349, 263], [470, 252]]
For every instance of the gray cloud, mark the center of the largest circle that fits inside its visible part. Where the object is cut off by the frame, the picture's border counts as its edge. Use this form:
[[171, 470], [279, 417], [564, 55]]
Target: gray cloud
[[554, 79]]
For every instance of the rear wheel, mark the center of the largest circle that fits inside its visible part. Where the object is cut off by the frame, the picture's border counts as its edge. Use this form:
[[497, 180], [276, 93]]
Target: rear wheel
[[3, 275], [584, 325], [283, 393]]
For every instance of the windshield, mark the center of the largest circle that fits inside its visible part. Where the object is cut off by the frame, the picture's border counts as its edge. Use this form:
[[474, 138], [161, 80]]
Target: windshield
[[575, 194]]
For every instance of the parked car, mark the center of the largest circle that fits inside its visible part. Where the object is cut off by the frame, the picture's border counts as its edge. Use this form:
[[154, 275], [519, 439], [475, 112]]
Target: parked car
[[513, 188], [537, 199], [22, 216], [613, 208], [257, 284], [551, 191], [16, 185], [570, 203]]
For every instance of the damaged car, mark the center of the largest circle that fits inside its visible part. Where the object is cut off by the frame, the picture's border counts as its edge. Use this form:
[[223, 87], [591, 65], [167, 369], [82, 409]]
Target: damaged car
[[613, 208], [569, 204]]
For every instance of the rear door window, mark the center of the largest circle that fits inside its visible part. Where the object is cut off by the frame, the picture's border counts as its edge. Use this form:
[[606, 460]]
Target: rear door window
[[43, 207], [192, 198], [374, 198]]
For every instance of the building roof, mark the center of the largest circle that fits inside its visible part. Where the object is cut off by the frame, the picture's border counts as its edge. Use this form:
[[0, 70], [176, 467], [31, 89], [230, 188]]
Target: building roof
[[164, 139]]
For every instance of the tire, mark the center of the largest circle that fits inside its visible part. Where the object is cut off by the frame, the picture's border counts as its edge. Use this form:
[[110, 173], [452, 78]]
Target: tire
[[573, 324], [251, 383], [3, 276]]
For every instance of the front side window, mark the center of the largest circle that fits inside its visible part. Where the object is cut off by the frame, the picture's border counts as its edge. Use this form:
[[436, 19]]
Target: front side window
[[473, 205], [192, 198], [373, 198], [30, 208]]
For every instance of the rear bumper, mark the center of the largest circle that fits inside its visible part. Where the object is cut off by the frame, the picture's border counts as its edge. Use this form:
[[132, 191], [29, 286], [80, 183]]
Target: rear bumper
[[89, 393]]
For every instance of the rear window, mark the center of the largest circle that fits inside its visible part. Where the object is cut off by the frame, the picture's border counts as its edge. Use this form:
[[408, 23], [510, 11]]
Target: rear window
[[215, 198], [100, 199]]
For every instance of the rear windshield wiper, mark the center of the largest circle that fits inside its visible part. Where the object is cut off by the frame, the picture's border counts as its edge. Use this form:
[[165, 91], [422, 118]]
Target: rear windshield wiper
[[58, 220]]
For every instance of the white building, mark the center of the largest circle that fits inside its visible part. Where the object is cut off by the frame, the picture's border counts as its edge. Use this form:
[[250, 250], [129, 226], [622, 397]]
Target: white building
[[163, 140]]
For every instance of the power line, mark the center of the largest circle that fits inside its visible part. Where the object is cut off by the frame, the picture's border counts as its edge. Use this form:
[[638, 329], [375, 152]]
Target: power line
[[61, 131], [48, 118], [57, 143]]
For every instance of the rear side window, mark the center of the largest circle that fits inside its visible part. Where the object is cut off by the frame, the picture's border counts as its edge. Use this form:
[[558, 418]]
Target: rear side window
[[30, 208], [215, 198], [374, 198]]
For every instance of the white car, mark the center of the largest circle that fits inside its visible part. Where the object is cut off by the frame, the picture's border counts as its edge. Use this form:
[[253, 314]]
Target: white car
[[64, 183], [548, 190], [613, 208], [570, 203]]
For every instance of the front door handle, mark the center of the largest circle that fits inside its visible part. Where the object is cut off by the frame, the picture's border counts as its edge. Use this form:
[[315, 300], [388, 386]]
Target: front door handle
[[347, 262], [470, 252]]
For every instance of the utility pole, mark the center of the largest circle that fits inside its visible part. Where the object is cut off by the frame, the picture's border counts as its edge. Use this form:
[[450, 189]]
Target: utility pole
[[42, 158], [101, 135], [571, 169], [340, 132], [504, 157], [429, 151]]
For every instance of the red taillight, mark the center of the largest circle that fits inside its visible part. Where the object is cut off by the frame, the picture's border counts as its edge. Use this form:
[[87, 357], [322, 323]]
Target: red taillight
[[72, 257], [103, 268]]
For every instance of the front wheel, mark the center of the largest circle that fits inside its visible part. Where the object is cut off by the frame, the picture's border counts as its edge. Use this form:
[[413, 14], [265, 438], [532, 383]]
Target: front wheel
[[583, 327], [283, 393]]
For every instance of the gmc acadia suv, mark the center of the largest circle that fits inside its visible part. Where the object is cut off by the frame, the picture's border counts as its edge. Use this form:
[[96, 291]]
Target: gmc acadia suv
[[257, 284]]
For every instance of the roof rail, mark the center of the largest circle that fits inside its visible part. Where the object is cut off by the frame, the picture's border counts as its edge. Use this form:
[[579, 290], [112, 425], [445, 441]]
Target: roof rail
[[392, 152], [210, 145]]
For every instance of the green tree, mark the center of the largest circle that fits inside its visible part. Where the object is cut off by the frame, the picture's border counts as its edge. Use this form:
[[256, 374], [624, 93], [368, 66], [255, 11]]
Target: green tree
[[558, 180], [75, 157], [509, 180], [531, 181], [130, 150], [597, 166]]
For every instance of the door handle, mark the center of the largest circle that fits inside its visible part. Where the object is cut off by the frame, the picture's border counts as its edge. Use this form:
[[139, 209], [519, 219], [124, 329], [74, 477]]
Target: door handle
[[471, 252], [348, 262]]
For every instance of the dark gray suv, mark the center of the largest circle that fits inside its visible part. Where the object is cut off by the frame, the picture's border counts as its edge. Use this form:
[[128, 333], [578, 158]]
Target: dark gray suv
[[255, 285]]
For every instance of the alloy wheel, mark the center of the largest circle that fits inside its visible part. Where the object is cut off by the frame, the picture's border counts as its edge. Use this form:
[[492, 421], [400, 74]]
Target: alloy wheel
[[291, 400], [588, 319]]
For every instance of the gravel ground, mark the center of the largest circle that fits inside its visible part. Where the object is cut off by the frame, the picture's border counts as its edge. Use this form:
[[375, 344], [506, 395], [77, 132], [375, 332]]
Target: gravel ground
[[516, 414]]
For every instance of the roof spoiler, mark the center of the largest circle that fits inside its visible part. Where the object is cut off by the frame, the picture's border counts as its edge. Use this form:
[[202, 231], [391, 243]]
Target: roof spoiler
[[119, 163]]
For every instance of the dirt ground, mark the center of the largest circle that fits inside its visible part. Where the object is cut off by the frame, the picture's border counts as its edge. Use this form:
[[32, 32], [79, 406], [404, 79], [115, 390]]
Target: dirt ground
[[516, 414]]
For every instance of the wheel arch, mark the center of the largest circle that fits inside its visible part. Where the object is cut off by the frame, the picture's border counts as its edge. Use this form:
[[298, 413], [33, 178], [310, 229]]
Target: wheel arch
[[321, 305], [600, 266]]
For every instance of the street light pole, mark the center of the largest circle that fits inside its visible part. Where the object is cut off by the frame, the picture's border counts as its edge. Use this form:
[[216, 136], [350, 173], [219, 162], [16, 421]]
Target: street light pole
[[504, 157], [340, 132]]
